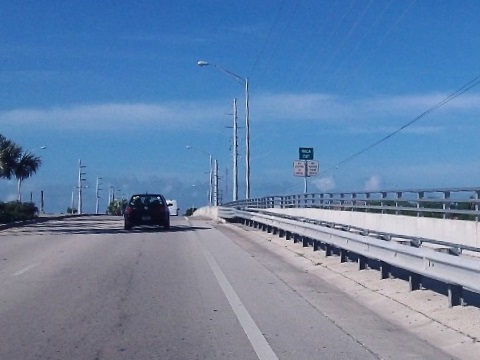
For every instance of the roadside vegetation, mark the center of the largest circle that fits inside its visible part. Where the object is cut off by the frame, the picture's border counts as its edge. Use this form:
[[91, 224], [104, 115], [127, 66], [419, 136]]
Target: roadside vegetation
[[116, 207], [19, 164]]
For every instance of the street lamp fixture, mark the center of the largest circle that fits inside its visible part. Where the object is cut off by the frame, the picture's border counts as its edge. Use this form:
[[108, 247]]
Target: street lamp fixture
[[243, 81]]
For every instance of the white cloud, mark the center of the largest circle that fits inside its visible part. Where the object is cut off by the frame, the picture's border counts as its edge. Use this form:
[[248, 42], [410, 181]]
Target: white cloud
[[366, 115], [324, 184], [307, 106], [363, 114], [114, 116], [373, 184]]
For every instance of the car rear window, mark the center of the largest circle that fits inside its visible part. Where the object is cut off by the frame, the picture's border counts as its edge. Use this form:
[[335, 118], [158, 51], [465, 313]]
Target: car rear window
[[146, 199]]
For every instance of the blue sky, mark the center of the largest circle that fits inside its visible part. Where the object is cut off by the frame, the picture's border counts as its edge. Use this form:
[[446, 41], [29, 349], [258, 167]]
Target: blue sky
[[115, 84]]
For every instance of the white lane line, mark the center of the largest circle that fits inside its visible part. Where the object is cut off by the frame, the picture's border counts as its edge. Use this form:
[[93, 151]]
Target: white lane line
[[258, 341], [24, 270]]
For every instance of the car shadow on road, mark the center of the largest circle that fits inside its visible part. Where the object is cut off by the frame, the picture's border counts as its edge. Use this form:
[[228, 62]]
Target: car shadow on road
[[88, 226], [172, 229]]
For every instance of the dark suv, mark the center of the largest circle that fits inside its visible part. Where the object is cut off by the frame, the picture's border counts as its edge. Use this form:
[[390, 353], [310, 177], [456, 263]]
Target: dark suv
[[146, 209]]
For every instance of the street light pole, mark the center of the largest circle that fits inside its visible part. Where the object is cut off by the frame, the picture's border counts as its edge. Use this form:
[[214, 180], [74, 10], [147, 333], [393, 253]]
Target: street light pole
[[247, 121], [247, 143]]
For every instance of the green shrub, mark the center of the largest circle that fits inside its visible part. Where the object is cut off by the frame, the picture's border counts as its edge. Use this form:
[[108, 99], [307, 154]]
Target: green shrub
[[17, 211]]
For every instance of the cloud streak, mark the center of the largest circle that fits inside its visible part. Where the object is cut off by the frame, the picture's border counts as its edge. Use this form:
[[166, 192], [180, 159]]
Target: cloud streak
[[378, 114], [114, 116]]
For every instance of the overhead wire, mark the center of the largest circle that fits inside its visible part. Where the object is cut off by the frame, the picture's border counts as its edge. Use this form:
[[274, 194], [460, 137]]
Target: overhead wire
[[364, 60], [359, 43], [315, 33], [472, 83], [307, 71], [276, 44], [347, 37], [270, 31]]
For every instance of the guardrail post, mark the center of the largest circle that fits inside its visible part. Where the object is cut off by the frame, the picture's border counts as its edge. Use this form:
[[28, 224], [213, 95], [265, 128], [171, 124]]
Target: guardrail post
[[476, 196], [288, 235], [382, 204], [343, 255], [446, 196], [399, 196], [328, 250], [420, 196], [316, 245], [414, 281], [385, 270], [455, 295], [305, 241], [362, 262]]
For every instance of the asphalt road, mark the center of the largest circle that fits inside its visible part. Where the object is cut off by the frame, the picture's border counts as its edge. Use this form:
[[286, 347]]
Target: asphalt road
[[83, 288]]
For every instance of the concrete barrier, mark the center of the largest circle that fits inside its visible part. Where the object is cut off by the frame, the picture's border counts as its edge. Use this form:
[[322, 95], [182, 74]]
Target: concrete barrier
[[461, 232], [208, 211]]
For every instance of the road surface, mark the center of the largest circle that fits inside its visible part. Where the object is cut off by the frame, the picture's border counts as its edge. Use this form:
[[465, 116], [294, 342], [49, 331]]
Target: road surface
[[83, 288]]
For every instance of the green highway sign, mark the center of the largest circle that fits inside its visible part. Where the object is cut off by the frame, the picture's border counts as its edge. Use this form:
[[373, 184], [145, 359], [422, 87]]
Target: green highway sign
[[305, 153]]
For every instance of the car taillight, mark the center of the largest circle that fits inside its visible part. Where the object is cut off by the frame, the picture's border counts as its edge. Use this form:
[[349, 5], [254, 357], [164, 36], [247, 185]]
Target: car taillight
[[128, 210]]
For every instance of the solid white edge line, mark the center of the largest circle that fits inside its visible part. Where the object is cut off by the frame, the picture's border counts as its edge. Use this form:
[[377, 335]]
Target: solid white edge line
[[258, 341]]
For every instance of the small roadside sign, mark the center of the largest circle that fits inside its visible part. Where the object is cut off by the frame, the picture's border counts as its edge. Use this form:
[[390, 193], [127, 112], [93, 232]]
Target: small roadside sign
[[305, 153], [312, 168], [299, 168]]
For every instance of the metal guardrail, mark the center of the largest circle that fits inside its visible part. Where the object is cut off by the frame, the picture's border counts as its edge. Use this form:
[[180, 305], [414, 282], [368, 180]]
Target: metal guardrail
[[457, 272], [456, 203], [417, 241]]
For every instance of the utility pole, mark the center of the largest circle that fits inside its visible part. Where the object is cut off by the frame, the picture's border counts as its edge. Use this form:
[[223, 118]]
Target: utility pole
[[215, 184], [97, 195], [235, 151], [72, 202], [80, 186]]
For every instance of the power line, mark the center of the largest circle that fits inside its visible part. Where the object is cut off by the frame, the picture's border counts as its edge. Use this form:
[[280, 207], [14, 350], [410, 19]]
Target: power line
[[472, 83], [277, 17]]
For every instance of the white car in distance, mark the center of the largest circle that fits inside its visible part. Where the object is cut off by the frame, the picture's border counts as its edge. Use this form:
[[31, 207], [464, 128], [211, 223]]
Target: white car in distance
[[173, 207]]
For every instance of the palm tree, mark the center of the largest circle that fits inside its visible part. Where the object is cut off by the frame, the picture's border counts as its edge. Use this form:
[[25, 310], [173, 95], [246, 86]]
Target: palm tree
[[25, 166], [9, 153]]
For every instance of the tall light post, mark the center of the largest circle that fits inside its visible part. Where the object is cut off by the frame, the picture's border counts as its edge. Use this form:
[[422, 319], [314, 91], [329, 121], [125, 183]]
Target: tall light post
[[213, 177], [243, 81]]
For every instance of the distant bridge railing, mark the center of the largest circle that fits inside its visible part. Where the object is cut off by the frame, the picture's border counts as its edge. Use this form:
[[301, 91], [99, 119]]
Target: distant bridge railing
[[446, 203]]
